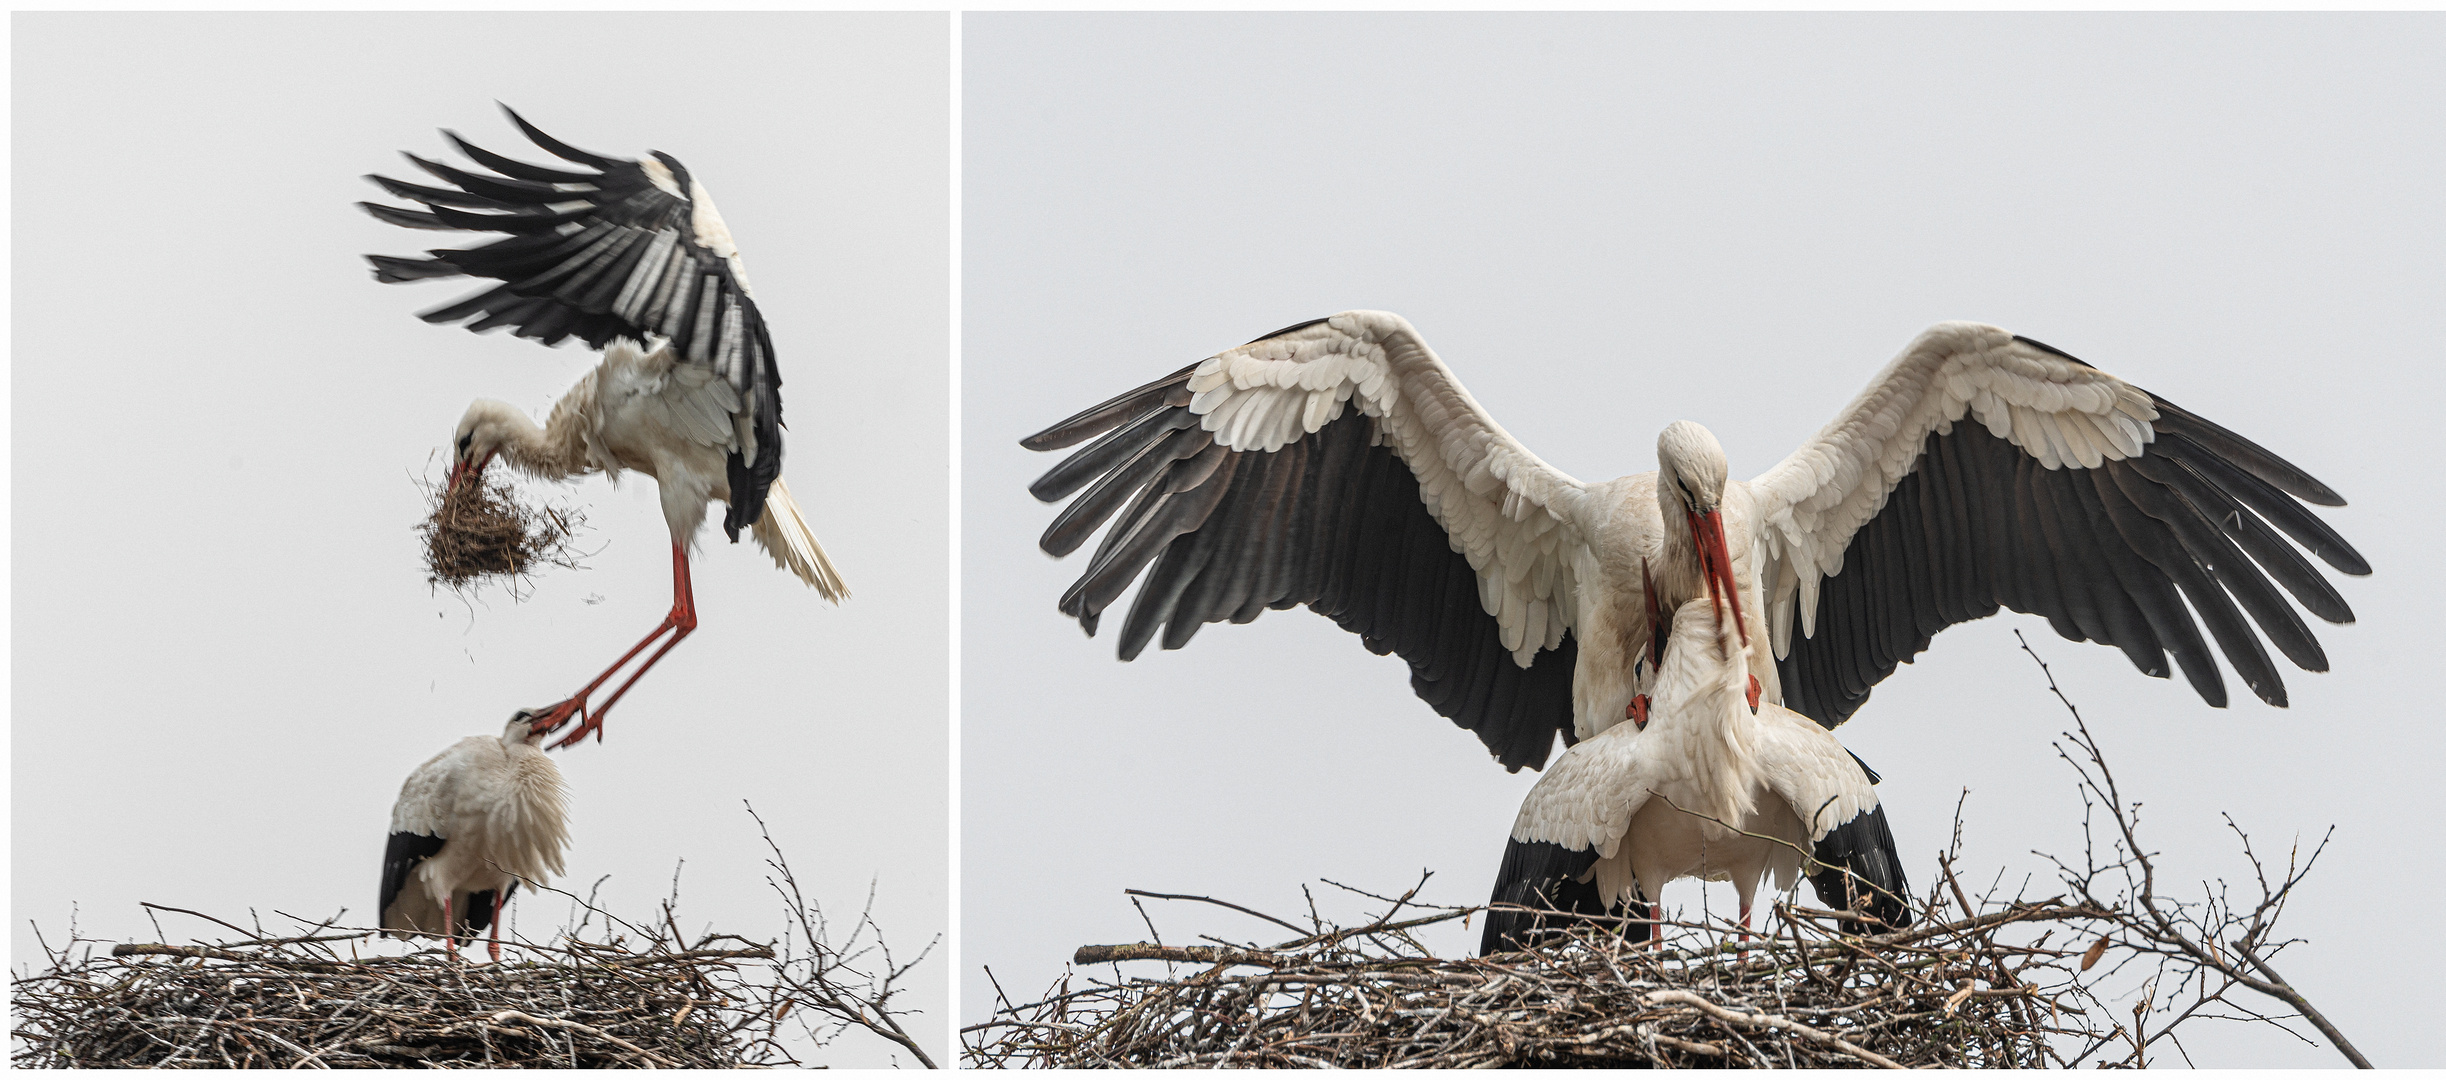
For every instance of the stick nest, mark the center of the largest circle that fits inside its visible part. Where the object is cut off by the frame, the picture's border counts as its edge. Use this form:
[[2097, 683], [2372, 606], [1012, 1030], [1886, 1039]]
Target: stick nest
[[1948, 995], [1984, 979], [481, 532], [602, 992], [291, 1003]]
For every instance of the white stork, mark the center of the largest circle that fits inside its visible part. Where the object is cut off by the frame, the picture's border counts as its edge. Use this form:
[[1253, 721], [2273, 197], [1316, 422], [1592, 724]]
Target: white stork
[[1339, 464], [630, 252], [1624, 812], [470, 824]]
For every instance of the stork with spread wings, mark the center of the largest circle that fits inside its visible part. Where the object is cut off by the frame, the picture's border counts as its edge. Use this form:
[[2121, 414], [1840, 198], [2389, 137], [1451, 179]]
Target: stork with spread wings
[[629, 256]]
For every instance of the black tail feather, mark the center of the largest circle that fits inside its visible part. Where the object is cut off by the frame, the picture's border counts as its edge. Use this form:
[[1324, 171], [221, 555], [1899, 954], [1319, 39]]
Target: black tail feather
[[1537, 874], [1860, 861]]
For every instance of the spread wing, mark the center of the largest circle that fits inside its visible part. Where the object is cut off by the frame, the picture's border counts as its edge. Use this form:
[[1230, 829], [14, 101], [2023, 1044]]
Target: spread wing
[[1982, 469], [1336, 464], [623, 248]]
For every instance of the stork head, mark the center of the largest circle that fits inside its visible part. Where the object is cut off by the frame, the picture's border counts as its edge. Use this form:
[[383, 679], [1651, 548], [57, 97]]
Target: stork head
[[1690, 463], [528, 726], [1691, 469], [483, 430]]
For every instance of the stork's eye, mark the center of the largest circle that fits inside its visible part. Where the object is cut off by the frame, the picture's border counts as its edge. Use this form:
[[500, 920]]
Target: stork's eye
[[465, 440]]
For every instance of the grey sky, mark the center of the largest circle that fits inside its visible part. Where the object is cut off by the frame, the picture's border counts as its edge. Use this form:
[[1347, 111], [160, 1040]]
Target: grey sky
[[1608, 222], [226, 658]]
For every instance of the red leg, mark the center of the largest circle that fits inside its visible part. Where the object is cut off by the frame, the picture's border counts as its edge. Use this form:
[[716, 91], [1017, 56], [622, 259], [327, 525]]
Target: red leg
[[493, 943], [679, 624], [450, 930]]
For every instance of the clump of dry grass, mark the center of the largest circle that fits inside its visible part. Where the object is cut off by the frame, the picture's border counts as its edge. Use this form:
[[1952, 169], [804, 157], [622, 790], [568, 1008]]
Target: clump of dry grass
[[481, 532]]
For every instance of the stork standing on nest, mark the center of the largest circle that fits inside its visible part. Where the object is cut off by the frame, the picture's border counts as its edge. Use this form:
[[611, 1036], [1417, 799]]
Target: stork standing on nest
[[1341, 465], [1710, 784], [470, 824], [631, 258]]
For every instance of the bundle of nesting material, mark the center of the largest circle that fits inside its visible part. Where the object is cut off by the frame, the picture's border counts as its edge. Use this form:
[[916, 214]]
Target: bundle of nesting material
[[480, 532]]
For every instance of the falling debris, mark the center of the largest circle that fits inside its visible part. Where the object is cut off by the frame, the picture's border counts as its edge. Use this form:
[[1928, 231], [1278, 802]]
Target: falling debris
[[481, 532]]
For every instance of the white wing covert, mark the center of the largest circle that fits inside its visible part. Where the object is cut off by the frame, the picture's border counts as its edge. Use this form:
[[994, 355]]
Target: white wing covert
[[1811, 772], [1587, 798]]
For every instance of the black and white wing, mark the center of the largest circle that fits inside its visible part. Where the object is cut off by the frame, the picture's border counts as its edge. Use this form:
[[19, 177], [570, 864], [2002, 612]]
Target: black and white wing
[[1336, 464], [420, 825], [1575, 815], [623, 248], [400, 858], [2068, 493], [1834, 794]]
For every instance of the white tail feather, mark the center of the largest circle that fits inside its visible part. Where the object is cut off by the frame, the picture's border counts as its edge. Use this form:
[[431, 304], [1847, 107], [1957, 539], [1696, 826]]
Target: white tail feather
[[783, 533]]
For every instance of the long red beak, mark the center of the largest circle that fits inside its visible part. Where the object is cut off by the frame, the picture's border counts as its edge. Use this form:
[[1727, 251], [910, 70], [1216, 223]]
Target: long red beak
[[463, 473], [1716, 566]]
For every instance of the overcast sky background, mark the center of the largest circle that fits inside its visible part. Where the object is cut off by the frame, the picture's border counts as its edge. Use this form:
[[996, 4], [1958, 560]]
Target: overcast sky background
[[1608, 222], [226, 656]]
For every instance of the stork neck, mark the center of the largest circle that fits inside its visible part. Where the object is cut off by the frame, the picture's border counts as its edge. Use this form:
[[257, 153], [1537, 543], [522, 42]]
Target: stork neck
[[552, 451], [1701, 706], [1697, 690], [1681, 548], [1676, 569]]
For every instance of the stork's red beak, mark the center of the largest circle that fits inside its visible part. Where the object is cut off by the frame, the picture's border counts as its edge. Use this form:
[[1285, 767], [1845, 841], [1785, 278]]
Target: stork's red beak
[[1716, 566], [464, 473]]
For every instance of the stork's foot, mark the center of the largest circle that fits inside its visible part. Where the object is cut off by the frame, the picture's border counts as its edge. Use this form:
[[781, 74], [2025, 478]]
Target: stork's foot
[[553, 718], [591, 725]]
